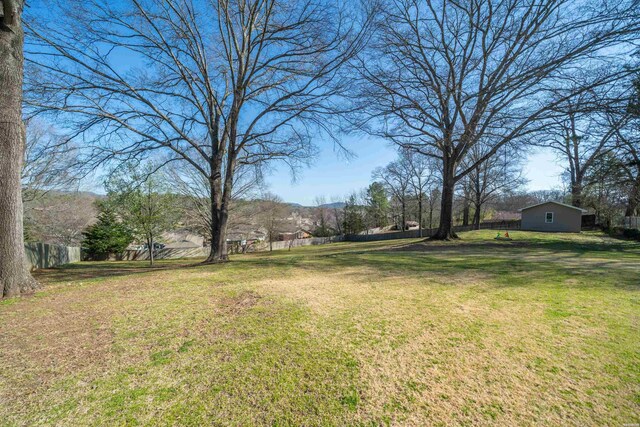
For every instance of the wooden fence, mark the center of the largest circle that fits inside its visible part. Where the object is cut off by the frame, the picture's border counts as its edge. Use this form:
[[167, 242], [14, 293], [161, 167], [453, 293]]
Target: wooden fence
[[203, 252], [44, 255]]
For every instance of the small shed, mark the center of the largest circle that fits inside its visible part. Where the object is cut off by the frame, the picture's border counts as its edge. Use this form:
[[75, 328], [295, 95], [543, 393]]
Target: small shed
[[552, 216]]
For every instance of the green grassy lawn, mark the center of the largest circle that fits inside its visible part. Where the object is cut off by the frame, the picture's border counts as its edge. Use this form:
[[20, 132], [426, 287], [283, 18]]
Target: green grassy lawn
[[543, 330]]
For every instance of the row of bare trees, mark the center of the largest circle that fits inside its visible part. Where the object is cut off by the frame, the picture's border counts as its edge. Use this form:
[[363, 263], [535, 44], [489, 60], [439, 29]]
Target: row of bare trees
[[452, 80], [216, 86]]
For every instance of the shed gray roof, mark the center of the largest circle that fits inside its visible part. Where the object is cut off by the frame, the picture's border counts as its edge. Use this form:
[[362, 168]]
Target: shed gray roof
[[555, 203]]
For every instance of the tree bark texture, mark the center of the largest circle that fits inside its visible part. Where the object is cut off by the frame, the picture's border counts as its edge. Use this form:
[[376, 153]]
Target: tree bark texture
[[15, 278], [634, 198], [445, 229], [576, 192], [476, 217]]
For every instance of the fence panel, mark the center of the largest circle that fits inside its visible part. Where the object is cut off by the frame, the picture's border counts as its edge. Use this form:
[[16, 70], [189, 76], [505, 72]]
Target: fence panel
[[44, 255], [203, 252]]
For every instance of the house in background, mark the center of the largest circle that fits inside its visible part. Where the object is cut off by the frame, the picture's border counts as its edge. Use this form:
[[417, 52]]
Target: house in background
[[182, 238], [552, 216]]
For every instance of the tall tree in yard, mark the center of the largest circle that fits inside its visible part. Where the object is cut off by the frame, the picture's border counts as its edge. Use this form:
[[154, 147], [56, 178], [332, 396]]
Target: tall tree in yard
[[584, 131], [272, 216], [14, 272], [628, 137], [498, 175], [442, 77], [144, 202], [396, 178], [214, 84], [422, 177], [377, 204]]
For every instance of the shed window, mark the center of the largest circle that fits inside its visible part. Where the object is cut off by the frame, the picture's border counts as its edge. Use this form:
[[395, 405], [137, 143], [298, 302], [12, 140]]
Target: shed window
[[548, 217]]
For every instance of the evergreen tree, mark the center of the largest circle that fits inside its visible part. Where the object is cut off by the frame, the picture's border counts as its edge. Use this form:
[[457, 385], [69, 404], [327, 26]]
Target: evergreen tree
[[107, 236], [353, 219], [377, 205]]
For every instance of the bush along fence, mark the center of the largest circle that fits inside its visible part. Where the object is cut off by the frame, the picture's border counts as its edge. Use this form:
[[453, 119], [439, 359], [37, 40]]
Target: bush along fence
[[44, 255], [428, 232]]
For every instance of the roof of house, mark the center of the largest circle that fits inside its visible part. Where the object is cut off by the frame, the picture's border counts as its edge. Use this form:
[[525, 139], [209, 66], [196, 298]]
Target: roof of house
[[555, 203]]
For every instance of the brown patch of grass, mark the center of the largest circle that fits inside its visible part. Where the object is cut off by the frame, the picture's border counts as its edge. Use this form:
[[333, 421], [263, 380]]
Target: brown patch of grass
[[238, 304]]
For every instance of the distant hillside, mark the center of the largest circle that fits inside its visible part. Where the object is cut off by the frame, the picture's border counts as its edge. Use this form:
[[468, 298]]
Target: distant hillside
[[334, 205], [60, 217]]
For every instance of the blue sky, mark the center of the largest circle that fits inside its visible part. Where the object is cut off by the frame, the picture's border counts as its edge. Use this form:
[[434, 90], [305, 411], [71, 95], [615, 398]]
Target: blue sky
[[333, 175]]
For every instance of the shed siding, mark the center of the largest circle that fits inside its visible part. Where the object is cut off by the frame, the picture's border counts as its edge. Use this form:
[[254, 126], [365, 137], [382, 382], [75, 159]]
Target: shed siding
[[564, 219]]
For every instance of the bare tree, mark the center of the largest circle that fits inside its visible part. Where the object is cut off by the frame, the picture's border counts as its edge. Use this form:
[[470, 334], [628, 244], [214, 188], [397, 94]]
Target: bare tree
[[501, 173], [272, 216], [396, 177], [59, 218], [195, 188], [338, 204], [627, 134], [422, 178], [14, 272], [321, 213], [433, 203], [144, 202], [217, 84], [50, 162], [584, 131], [442, 76]]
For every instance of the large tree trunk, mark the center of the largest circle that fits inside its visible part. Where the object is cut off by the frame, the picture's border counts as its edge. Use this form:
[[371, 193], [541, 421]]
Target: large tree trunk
[[220, 200], [576, 193], [445, 229], [150, 244], [218, 236], [14, 270], [634, 198], [466, 209], [476, 217]]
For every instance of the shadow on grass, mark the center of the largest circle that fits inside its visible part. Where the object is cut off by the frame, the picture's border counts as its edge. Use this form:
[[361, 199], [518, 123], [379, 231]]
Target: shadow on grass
[[90, 270], [517, 263], [513, 265]]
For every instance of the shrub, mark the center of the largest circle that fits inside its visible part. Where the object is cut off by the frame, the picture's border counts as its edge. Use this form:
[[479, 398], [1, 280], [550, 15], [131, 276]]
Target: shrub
[[107, 236]]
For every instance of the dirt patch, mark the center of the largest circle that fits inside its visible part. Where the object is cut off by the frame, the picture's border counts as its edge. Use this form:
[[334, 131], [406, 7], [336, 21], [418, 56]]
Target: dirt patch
[[238, 304]]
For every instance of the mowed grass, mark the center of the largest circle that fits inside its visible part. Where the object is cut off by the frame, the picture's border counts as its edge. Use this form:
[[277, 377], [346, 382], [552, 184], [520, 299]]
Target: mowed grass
[[543, 330]]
